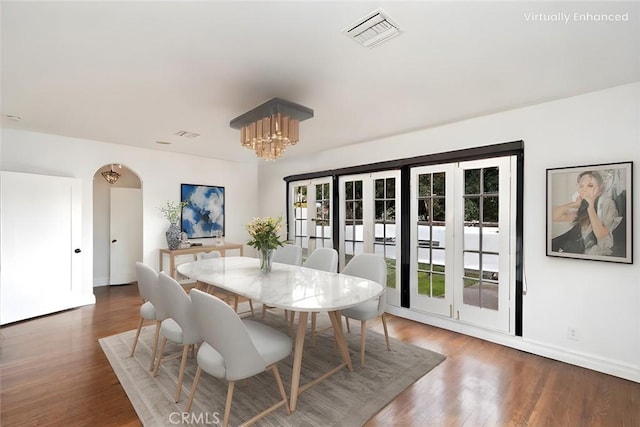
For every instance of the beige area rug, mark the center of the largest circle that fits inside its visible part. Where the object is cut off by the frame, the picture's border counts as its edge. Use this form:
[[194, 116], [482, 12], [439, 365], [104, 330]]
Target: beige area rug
[[344, 399]]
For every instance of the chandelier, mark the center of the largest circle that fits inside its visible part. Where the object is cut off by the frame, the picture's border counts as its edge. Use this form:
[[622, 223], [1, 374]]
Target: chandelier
[[111, 176], [269, 128]]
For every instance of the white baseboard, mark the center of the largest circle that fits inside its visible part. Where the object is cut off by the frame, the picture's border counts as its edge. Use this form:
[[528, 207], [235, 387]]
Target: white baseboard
[[100, 281], [589, 361]]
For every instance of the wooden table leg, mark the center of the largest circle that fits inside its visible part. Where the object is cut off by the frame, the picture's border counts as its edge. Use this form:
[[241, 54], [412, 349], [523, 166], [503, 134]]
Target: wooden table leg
[[297, 359], [340, 338]]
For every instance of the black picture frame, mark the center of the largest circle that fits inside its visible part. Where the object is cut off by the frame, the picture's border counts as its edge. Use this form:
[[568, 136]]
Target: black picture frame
[[571, 191], [203, 215]]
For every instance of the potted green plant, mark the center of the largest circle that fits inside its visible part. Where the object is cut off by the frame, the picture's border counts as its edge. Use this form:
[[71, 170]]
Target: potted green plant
[[172, 211]]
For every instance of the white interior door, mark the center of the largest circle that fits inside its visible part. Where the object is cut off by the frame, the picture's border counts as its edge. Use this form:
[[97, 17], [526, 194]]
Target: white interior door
[[40, 252], [126, 234]]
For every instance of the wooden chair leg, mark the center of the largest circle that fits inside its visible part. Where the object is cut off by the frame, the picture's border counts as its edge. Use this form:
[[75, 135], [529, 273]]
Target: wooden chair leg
[[276, 374], [162, 346], [235, 303], [185, 352], [386, 333], [251, 307], [155, 345], [363, 340], [348, 328], [196, 380], [135, 341], [314, 317], [227, 408]]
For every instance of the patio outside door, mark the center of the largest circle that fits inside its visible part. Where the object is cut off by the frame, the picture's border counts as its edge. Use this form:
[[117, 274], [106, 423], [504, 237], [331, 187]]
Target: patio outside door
[[310, 209], [370, 222], [463, 248]]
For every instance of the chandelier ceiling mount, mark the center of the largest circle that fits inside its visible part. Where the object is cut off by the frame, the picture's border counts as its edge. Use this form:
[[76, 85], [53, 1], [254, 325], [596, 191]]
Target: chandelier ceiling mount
[[271, 127], [111, 176]]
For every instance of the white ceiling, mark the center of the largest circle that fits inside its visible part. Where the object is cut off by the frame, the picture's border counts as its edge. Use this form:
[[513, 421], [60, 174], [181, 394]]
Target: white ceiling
[[137, 72]]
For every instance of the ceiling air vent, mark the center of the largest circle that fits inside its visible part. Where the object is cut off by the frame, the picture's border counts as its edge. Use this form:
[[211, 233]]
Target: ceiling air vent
[[373, 29], [187, 134]]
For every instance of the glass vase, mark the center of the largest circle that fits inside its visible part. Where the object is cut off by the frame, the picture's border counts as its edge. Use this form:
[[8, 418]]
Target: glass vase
[[266, 258]]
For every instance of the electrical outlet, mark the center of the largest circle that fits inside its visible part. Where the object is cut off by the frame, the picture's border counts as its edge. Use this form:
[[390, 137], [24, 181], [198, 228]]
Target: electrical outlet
[[572, 334]]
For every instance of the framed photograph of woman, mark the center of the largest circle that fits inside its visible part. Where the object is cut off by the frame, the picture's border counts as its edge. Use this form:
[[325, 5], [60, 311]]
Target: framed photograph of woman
[[589, 212]]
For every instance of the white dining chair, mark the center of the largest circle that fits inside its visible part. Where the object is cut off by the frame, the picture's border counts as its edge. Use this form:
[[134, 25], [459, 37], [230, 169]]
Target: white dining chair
[[200, 256], [151, 308], [208, 255], [287, 254], [229, 297], [325, 259], [234, 349], [372, 267], [180, 327]]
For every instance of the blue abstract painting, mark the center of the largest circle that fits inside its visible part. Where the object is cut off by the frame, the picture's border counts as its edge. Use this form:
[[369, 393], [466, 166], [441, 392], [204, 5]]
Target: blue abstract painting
[[203, 214]]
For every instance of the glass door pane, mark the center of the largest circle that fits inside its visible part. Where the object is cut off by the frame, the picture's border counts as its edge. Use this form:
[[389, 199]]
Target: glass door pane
[[485, 269], [370, 222], [353, 225], [386, 233], [323, 226], [481, 244], [310, 214], [299, 207], [432, 239]]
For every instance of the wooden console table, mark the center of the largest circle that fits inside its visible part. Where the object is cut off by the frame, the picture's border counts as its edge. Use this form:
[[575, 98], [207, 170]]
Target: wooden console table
[[193, 250]]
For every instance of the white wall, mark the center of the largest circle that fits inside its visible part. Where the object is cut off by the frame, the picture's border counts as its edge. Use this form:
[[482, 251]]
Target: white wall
[[160, 172], [600, 300]]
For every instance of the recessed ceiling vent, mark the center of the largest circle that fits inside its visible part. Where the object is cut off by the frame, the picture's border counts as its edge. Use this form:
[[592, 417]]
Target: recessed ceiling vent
[[187, 134], [373, 29]]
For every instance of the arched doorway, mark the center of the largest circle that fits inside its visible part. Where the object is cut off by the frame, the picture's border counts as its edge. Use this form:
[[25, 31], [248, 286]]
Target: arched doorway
[[117, 225]]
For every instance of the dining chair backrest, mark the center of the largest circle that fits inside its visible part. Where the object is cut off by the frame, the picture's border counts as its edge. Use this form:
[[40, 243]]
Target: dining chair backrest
[[147, 281], [208, 255], [325, 259], [222, 329], [148, 284], [288, 254], [372, 267], [179, 307]]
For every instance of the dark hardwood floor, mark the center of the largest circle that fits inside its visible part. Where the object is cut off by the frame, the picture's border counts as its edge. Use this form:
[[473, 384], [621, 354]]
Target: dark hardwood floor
[[53, 372]]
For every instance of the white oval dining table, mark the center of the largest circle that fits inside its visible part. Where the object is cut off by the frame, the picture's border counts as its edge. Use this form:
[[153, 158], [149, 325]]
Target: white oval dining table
[[294, 288]]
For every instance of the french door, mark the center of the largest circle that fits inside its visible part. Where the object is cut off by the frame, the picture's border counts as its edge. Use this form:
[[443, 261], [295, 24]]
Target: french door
[[432, 245], [462, 245], [310, 211], [370, 222]]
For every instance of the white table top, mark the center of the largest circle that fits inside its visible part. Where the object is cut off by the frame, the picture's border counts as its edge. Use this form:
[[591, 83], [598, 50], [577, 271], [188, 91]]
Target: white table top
[[285, 286]]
